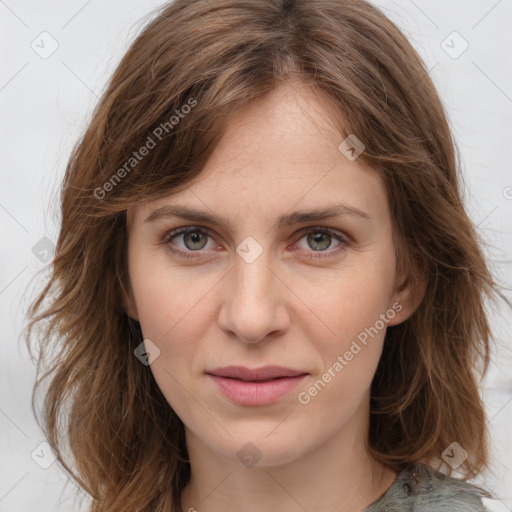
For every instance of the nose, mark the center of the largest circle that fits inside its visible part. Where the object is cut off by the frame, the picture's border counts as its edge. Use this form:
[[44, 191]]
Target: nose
[[254, 302]]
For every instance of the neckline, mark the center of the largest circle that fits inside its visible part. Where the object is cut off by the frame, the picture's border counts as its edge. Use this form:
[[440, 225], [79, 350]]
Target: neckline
[[391, 488]]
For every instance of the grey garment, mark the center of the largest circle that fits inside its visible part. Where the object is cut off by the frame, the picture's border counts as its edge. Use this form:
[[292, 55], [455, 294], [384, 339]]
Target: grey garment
[[420, 488]]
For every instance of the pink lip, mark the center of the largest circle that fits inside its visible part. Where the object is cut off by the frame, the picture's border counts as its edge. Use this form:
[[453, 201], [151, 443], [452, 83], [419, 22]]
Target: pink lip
[[262, 386]]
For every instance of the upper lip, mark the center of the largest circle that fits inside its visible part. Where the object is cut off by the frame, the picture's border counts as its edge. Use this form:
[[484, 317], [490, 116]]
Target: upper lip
[[263, 373]]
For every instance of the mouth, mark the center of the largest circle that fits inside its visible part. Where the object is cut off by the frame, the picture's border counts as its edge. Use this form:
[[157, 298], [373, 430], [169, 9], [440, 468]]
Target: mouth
[[263, 374], [258, 387]]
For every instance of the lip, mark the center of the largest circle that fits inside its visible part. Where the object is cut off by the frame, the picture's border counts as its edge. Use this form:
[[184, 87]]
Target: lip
[[263, 373], [258, 387]]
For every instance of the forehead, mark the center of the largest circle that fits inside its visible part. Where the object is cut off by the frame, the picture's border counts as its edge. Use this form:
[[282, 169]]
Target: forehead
[[279, 152]]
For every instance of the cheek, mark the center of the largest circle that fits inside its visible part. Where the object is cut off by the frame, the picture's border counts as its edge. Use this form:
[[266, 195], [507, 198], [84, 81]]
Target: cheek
[[167, 298], [350, 309], [351, 303], [350, 349], [175, 309], [172, 314], [175, 322]]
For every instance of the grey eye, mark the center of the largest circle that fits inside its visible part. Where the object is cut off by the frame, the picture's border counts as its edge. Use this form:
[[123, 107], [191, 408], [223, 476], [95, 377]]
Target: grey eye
[[192, 240], [319, 241]]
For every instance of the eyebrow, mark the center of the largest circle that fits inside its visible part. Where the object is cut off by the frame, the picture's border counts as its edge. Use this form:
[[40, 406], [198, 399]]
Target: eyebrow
[[289, 219]]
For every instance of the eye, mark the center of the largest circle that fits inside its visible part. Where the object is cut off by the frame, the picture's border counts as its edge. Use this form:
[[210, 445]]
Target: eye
[[319, 239], [194, 241]]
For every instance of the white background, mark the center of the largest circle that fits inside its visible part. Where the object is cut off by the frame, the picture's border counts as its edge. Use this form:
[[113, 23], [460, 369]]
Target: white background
[[45, 104]]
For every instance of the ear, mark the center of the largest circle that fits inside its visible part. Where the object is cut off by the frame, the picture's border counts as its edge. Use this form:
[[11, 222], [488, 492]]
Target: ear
[[408, 293]]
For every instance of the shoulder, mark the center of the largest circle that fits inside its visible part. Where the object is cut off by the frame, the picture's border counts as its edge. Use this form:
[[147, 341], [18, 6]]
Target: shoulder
[[420, 488]]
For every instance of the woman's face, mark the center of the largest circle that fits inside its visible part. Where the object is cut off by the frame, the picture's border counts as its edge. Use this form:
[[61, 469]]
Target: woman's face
[[251, 290]]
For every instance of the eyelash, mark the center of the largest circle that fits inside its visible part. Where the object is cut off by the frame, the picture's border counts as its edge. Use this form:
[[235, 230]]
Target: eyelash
[[190, 254]]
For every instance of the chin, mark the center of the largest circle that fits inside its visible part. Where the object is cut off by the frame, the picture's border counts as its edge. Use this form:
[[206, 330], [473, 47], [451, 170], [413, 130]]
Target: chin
[[256, 448]]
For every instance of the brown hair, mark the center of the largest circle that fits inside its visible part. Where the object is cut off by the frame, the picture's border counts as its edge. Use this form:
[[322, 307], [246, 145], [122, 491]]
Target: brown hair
[[215, 57]]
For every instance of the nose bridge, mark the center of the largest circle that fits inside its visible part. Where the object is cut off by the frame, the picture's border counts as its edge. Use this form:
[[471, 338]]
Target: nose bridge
[[253, 279], [252, 274], [253, 306]]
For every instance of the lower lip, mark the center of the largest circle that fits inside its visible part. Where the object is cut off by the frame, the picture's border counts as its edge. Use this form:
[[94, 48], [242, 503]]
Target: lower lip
[[256, 393]]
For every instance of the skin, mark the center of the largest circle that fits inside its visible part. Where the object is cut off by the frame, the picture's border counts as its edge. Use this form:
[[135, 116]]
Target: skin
[[285, 308]]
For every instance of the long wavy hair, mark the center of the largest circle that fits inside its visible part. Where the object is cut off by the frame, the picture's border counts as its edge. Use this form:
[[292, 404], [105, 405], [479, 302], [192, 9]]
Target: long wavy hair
[[191, 67]]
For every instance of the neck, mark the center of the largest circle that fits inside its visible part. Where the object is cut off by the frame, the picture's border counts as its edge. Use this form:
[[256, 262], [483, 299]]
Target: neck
[[338, 476]]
